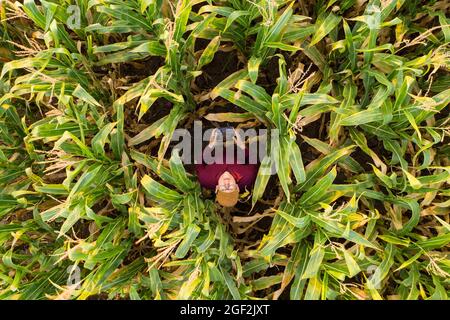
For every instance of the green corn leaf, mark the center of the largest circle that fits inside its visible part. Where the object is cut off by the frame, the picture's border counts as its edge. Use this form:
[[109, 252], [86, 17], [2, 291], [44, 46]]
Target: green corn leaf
[[352, 265], [230, 284], [98, 142], [296, 162], [299, 283], [208, 54], [81, 93], [262, 179], [337, 229], [253, 68], [275, 32], [322, 165], [256, 92], [316, 192], [241, 101], [283, 46], [313, 289], [314, 263], [179, 173], [192, 232], [235, 15]]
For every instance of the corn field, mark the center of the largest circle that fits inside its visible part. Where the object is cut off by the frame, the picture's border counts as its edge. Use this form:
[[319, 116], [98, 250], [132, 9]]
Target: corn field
[[94, 205]]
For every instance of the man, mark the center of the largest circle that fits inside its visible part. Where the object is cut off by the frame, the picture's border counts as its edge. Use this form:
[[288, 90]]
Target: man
[[227, 178]]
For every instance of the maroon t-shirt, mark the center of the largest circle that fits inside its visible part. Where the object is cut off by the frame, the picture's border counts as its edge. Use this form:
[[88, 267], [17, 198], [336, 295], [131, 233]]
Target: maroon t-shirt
[[244, 174]]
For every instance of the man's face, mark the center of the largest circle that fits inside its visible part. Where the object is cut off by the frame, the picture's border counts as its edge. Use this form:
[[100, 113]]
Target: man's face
[[227, 183]]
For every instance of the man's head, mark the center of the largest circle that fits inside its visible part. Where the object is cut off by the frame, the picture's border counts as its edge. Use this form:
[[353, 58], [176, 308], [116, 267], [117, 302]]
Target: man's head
[[227, 190]]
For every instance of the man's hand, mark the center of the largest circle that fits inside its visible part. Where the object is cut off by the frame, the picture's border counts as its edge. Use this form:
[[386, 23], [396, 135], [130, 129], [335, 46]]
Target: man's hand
[[238, 140]]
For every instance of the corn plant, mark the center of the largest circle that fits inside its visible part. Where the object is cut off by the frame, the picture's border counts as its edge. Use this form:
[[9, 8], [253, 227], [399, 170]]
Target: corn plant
[[96, 203]]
